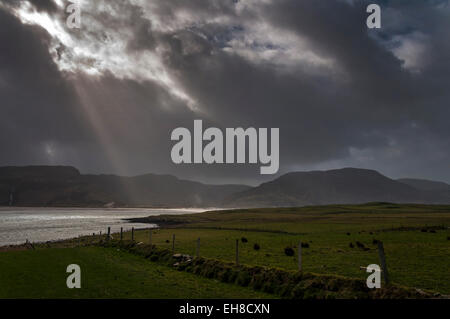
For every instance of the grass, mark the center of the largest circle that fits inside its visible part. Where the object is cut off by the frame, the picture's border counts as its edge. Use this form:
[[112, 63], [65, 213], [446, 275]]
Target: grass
[[415, 238], [415, 258], [105, 273], [284, 283]]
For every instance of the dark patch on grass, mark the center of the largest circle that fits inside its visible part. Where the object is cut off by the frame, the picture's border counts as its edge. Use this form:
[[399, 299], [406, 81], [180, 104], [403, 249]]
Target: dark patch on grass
[[244, 240], [422, 229], [288, 251], [256, 246]]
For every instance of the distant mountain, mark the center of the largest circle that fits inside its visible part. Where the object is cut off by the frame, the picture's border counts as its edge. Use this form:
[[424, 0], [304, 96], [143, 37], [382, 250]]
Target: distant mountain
[[340, 186], [65, 186], [425, 185], [435, 191]]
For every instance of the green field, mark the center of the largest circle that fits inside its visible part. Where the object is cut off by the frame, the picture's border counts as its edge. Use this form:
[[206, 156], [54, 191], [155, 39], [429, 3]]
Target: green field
[[416, 239], [105, 273]]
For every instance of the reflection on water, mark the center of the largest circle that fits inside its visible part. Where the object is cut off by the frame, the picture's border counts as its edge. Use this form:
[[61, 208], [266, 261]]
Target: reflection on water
[[43, 224]]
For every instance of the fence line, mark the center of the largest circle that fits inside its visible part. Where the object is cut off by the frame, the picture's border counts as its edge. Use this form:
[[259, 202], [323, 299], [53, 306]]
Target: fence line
[[381, 252], [237, 251], [299, 256]]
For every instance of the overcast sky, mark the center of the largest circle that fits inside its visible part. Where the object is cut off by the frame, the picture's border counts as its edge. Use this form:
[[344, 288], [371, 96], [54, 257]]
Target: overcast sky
[[105, 97]]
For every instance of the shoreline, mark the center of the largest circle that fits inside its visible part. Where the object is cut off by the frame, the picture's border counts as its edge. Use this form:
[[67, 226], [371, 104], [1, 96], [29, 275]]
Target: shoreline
[[42, 224], [108, 208]]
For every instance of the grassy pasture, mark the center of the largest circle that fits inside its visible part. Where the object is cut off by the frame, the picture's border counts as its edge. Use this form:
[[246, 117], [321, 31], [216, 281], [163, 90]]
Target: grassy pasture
[[105, 273], [415, 238]]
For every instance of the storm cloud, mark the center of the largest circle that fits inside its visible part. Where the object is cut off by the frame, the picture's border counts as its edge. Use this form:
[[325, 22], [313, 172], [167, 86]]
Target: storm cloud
[[105, 97]]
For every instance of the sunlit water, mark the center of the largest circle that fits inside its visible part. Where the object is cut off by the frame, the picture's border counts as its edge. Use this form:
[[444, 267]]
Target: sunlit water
[[44, 224]]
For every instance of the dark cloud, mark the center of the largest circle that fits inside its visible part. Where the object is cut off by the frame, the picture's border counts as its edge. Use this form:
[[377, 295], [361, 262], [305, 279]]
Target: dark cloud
[[342, 95], [37, 104], [45, 5]]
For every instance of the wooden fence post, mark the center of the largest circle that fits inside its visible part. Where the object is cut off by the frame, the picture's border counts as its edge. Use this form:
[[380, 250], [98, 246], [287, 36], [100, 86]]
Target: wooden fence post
[[132, 233], [121, 233], [150, 238], [109, 233], [383, 262], [299, 256], [198, 247], [237, 251], [173, 244]]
